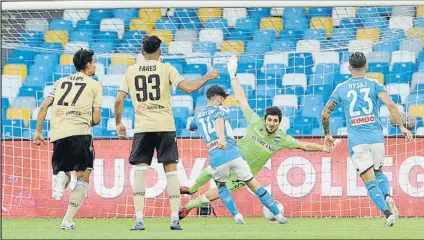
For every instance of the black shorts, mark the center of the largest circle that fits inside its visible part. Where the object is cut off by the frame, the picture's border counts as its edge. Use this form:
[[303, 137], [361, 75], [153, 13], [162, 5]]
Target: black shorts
[[74, 153], [144, 145]]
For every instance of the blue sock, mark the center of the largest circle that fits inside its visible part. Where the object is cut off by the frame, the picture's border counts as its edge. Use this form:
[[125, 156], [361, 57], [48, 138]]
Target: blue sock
[[228, 200], [376, 195], [267, 200], [383, 183]]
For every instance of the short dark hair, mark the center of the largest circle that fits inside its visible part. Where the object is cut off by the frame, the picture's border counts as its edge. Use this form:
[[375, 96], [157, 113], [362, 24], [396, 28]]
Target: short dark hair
[[274, 111], [151, 44], [357, 60], [81, 58], [216, 90]]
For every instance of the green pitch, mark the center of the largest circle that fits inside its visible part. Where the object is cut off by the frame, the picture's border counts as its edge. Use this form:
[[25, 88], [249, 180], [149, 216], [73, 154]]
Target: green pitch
[[217, 228]]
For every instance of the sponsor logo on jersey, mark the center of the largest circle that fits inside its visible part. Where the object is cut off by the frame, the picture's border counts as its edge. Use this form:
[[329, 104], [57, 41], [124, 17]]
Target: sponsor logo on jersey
[[212, 145], [362, 120], [62, 113], [263, 144], [277, 140], [144, 107]]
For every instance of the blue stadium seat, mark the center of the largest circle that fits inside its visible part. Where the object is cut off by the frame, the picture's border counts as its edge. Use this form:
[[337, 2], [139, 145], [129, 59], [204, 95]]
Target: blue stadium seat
[[275, 70], [299, 131], [167, 24], [382, 67], [62, 71], [46, 60], [21, 56], [254, 47], [321, 79], [11, 131], [106, 37], [185, 12], [300, 63], [324, 90], [127, 47], [394, 131], [355, 23], [305, 123], [126, 14], [265, 36], [401, 73], [376, 22], [45, 125], [265, 92], [133, 36], [90, 25], [107, 113], [294, 13], [342, 36], [260, 102], [5, 102], [82, 36], [284, 45], [237, 34], [341, 78], [220, 23], [205, 47], [387, 46], [247, 24], [419, 22], [195, 69], [181, 113], [291, 89], [191, 23], [414, 99], [32, 38], [110, 91], [291, 34], [30, 91], [312, 105], [97, 131], [60, 24], [287, 111], [33, 80], [368, 12], [298, 23], [57, 47], [185, 133], [315, 34], [100, 13], [419, 88], [336, 123], [258, 13], [109, 133], [320, 12], [395, 97], [103, 47], [392, 34], [327, 68]]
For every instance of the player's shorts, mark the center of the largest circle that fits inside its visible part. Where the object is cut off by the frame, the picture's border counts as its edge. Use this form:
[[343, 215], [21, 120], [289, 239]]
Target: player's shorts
[[74, 153], [366, 156], [144, 145], [240, 168]]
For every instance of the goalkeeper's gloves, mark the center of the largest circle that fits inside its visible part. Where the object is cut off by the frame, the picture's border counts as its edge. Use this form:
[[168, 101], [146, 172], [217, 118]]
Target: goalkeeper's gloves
[[232, 66]]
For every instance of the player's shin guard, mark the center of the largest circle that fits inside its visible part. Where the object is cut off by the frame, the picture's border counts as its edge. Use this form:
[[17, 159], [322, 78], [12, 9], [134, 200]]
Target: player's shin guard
[[76, 200], [377, 197], [139, 190], [228, 200], [204, 177], [173, 188], [267, 200], [383, 183]]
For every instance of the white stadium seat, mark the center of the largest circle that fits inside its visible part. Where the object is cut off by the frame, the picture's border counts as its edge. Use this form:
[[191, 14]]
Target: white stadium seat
[[113, 24], [180, 47], [402, 22], [276, 58], [183, 101], [75, 15], [299, 79], [288, 100], [211, 35], [247, 79], [364, 46], [342, 12], [277, 11], [344, 68], [186, 35], [111, 124], [308, 46], [402, 89], [24, 102], [403, 11], [47, 90], [100, 69], [384, 111], [402, 57], [326, 57], [34, 113], [411, 45], [417, 78], [221, 57], [285, 123], [342, 131], [232, 14], [199, 58], [41, 25], [72, 47], [378, 57], [239, 132], [110, 80], [117, 69], [108, 102]]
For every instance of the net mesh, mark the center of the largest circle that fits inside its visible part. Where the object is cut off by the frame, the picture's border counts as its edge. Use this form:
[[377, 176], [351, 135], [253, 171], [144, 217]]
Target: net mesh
[[288, 57]]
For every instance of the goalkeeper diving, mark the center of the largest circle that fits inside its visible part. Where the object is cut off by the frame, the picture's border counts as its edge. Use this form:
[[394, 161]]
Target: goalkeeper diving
[[262, 140]]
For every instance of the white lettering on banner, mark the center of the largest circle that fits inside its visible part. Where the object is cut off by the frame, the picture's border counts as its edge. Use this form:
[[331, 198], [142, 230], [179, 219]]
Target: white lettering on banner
[[118, 180], [326, 188], [160, 185], [282, 177], [199, 165], [352, 181], [404, 175], [362, 120]]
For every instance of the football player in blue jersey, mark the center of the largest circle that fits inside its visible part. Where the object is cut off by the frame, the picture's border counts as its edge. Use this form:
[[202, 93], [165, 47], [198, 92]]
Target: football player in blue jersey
[[224, 154], [359, 98]]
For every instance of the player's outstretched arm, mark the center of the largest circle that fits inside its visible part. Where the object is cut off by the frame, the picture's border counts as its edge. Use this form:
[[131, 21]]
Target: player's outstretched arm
[[313, 147], [325, 118], [191, 86], [38, 138], [238, 89], [394, 112], [119, 105]]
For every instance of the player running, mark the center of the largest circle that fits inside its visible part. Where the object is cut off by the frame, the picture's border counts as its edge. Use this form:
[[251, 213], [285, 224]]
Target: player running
[[359, 98], [76, 101], [263, 139], [224, 155]]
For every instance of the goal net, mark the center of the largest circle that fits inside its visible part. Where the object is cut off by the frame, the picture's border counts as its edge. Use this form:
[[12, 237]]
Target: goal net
[[290, 57]]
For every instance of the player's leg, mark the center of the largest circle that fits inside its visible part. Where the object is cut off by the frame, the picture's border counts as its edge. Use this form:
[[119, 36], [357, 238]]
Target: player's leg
[[377, 151], [167, 151], [141, 158], [204, 177], [61, 168], [83, 161], [363, 161]]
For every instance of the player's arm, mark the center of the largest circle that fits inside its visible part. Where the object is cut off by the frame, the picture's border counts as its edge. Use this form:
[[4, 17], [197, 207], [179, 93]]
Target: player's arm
[[313, 147], [97, 106], [190, 86], [394, 112], [118, 107], [238, 89], [325, 118], [38, 138]]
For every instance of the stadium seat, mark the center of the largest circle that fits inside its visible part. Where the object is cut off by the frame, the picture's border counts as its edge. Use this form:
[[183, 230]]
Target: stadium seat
[[416, 33], [21, 56], [232, 46], [301, 62], [312, 105], [111, 125], [294, 12], [325, 57], [24, 102], [402, 22], [126, 14], [378, 57], [247, 79], [340, 13], [376, 22], [403, 57], [411, 45], [117, 69], [41, 25], [232, 14], [75, 15], [32, 38], [72, 47], [211, 35], [62, 71], [403, 11], [258, 12], [392, 36], [322, 23], [402, 89], [342, 36], [283, 46], [19, 113], [141, 25], [420, 11], [298, 23], [315, 34], [57, 36], [180, 47], [88, 25], [364, 46], [122, 58], [81, 36], [372, 34], [206, 13], [164, 35], [206, 47], [375, 75], [100, 13], [15, 70], [320, 11], [351, 23], [61, 24], [167, 24], [219, 23], [186, 35], [277, 11], [38, 79], [113, 25], [10, 86], [417, 110], [386, 47], [183, 101], [265, 36], [295, 79], [335, 124], [247, 24], [195, 69], [308, 46], [288, 100], [414, 99], [255, 48], [417, 78], [102, 47], [272, 23]]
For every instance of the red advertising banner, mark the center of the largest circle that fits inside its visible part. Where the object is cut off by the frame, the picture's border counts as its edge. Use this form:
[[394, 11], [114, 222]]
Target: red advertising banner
[[308, 184]]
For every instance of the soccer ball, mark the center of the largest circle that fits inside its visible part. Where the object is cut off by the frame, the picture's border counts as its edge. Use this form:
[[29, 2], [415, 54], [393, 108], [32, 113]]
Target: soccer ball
[[410, 122], [268, 214]]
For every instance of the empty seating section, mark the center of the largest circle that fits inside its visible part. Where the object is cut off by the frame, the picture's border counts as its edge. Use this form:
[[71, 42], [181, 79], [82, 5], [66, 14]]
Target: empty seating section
[[288, 57]]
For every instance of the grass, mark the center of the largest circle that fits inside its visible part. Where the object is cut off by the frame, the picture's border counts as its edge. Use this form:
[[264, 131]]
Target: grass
[[216, 228]]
